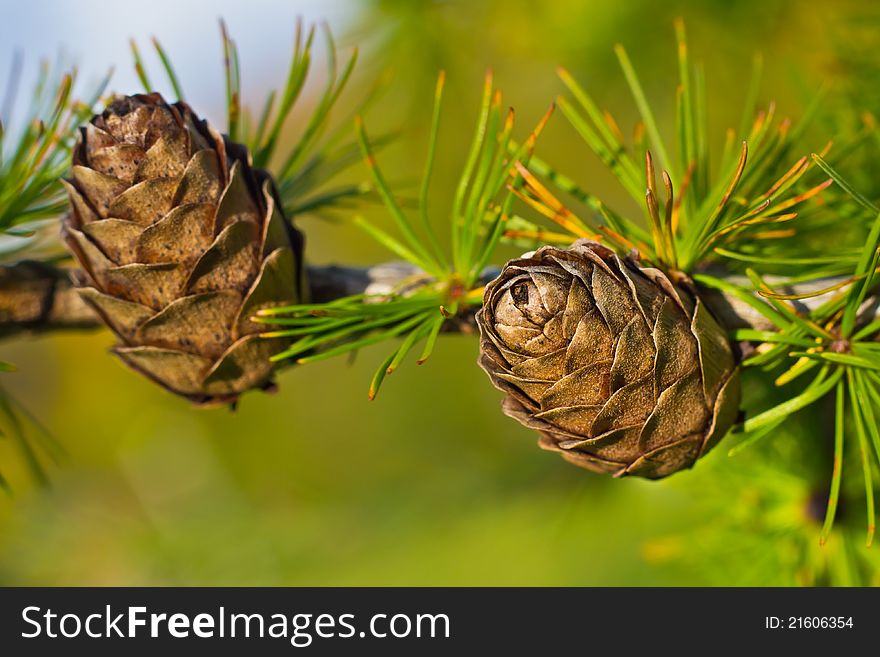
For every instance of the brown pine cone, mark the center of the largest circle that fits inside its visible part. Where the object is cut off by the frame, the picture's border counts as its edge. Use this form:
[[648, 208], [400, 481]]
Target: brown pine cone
[[620, 370], [180, 242]]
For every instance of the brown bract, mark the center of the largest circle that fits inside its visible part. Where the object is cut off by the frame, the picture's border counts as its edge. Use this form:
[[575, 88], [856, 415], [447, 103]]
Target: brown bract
[[180, 243], [621, 371]]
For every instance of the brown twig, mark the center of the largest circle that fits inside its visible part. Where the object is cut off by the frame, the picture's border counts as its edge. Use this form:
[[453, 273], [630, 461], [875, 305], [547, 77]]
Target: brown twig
[[36, 297]]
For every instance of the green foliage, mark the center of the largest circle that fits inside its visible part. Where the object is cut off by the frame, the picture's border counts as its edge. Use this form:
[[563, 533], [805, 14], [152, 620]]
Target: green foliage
[[34, 156], [450, 283], [836, 345], [766, 527], [738, 209]]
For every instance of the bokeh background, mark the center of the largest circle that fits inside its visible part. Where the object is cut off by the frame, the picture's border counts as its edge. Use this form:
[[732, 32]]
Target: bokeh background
[[430, 484]]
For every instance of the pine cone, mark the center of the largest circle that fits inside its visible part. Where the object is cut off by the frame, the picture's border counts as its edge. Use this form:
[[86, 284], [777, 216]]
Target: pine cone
[[620, 371], [180, 242]]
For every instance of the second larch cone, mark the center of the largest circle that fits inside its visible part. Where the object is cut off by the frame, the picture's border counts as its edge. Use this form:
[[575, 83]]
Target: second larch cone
[[621, 371], [180, 243]]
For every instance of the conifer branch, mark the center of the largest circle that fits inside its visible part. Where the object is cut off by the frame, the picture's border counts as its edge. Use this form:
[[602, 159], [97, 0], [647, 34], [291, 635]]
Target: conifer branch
[[36, 297]]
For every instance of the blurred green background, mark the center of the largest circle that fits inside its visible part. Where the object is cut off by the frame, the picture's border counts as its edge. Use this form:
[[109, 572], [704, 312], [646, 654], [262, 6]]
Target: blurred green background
[[430, 484]]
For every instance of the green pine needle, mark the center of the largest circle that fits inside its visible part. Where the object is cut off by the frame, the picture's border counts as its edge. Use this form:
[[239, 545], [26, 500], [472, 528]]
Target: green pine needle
[[837, 467]]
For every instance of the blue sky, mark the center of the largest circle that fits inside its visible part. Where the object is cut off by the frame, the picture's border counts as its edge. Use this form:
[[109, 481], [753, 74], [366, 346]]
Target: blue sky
[[94, 35]]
